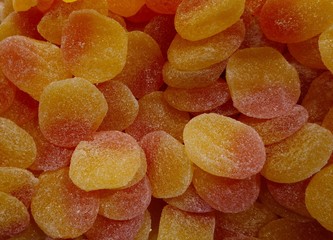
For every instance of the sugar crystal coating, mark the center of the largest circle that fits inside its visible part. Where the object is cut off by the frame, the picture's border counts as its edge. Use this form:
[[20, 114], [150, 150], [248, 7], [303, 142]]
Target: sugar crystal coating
[[7, 93], [144, 231], [325, 47]]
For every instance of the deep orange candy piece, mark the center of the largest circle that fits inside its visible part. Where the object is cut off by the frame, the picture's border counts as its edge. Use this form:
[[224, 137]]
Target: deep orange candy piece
[[70, 111], [300, 156], [122, 106], [61, 209], [291, 21], [163, 6], [254, 6], [145, 229], [17, 147], [223, 146], [177, 224], [23, 5], [53, 21], [194, 55], [126, 203], [225, 194], [31, 65], [88, 48], [276, 129], [143, 69], [110, 160], [143, 16], [262, 83], [325, 47], [7, 93], [14, 216], [211, 17], [105, 229], [125, 8], [328, 120], [168, 168], [156, 114], [198, 99]]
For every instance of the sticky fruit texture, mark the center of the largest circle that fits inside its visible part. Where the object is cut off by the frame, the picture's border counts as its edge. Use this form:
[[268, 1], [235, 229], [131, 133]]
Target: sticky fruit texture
[[161, 117], [57, 17], [104, 228], [291, 21], [125, 8], [319, 98], [195, 55], [122, 106], [93, 46], [70, 110], [198, 99], [225, 194], [276, 129], [127, 203], [49, 156], [30, 64], [168, 168], [300, 156], [110, 160], [307, 52], [289, 230], [176, 78], [262, 83], [199, 19], [61, 209], [163, 6], [144, 76], [177, 224], [7, 93], [19, 183], [247, 222], [14, 216], [144, 231], [17, 147], [190, 201], [326, 47], [230, 149]]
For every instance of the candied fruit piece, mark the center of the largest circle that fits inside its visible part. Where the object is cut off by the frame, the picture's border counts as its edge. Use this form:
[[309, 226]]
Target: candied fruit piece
[[31, 64], [291, 21], [254, 6], [23, 5], [7, 93], [126, 203], [262, 83], [143, 233], [168, 168], [226, 194], [14, 216], [163, 6], [188, 55], [200, 19], [328, 120], [61, 209], [70, 110], [156, 114], [144, 15], [122, 106], [198, 99], [31, 232], [228, 149], [143, 69], [326, 47], [52, 23], [177, 224], [88, 48], [110, 160], [276, 129], [125, 8], [17, 147], [300, 156]]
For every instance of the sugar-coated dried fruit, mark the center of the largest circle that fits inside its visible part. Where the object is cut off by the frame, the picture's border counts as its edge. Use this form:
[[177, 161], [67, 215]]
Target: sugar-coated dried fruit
[[125, 204], [276, 129], [110, 160], [200, 19], [161, 117], [198, 99], [328, 120], [177, 224], [23, 5], [7, 93], [30, 232], [89, 49], [17, 147], [61, 209], [14, 216], [325, 47], [70, 110], [30, 64], [194, 55], [225, 194], [168, 168], [125, 8], [230, 149], [262, 83], [144, 231], [291, 21], [300, 156], [163, 6]]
